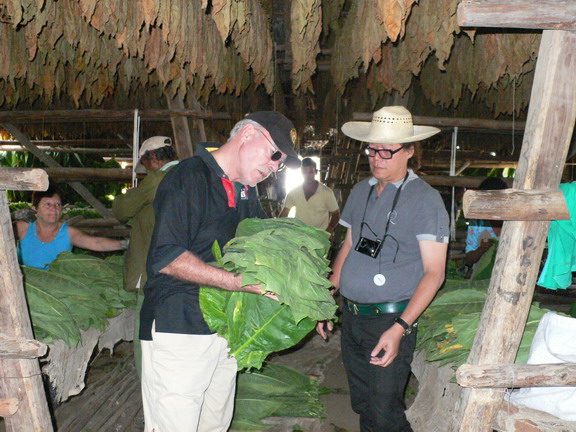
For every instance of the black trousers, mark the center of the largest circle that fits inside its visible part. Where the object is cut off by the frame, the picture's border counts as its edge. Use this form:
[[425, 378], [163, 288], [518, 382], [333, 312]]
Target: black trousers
[[377, 393]]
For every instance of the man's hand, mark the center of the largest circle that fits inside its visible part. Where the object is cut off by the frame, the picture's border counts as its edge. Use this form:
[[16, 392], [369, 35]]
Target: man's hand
[[321, 326], [257, 289], [389, 343]]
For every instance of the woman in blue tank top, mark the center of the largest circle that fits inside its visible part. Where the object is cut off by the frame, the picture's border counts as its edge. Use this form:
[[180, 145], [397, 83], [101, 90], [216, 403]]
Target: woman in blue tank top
[[43, 240]]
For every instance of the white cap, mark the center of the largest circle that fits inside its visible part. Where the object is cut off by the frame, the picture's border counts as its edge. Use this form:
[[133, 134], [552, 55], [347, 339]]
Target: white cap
[[150, 144]]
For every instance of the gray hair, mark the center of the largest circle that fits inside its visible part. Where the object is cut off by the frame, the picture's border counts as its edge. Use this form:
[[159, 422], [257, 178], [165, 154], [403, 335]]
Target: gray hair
[[238, 127]]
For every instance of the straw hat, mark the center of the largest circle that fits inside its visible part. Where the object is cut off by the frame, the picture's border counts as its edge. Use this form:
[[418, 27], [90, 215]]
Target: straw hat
[[389, 125]]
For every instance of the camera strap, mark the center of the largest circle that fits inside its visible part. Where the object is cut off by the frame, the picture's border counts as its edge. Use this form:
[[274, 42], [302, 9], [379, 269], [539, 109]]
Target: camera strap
[[394, 202]]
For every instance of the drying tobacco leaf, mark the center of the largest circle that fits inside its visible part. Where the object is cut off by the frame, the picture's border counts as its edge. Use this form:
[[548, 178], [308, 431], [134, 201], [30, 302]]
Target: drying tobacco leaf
[[306, 25]]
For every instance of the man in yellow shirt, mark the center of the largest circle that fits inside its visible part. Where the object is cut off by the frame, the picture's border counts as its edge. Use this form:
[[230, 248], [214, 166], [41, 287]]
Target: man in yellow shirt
[[315, 203]]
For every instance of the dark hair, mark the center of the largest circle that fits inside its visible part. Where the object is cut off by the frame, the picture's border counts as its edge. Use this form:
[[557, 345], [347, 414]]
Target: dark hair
[[166, 153], [309, 162], [493, 183], [48, 193], [414, 161]]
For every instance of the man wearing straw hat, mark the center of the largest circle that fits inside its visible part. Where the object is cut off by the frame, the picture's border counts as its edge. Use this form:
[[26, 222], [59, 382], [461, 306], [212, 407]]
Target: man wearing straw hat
[[389, 268]]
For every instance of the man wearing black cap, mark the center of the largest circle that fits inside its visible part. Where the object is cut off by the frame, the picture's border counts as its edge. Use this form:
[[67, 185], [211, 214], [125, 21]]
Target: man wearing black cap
[[188, 380]]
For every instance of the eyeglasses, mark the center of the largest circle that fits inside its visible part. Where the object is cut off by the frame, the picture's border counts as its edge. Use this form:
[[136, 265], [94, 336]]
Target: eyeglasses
[[277, 155], [383, 153]]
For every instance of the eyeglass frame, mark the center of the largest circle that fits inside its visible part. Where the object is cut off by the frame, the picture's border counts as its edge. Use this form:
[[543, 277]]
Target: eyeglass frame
[[275, 156], [378, 151]]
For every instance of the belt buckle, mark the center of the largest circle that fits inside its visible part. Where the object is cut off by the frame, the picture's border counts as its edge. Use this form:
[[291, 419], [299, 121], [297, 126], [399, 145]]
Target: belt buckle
[[353, 307], [375, 309]]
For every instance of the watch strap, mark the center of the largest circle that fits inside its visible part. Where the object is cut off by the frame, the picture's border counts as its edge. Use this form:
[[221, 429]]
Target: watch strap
[[407, 327]]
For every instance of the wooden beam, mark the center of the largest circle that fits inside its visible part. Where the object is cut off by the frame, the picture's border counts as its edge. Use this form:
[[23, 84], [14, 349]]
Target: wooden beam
[[17, 347], [105, 151], [19, 378], [23, 179], [467, 182], [525, 14], [8, 407], [513, 418], [517, 375], [92, 174], [550, 125], [514, 204], [450, 122], [102, 115], [181, 129], [78, 187]]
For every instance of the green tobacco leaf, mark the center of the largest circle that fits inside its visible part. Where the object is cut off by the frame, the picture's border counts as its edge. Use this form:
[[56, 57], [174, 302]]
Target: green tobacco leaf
[[287, 258], [77, 292], [253, 325], [274, 390]]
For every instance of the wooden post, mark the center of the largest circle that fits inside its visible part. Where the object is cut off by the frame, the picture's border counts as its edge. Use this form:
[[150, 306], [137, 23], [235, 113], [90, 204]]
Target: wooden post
[[515, 204], [182, 138], [78, 187], [550, 125], [19, 378], [517, 375]]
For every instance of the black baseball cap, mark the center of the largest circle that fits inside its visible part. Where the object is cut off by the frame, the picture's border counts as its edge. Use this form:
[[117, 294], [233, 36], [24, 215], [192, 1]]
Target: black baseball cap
[[282, 132]]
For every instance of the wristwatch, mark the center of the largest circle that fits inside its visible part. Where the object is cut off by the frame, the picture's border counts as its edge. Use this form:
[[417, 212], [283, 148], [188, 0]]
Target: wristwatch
[[407, 327]]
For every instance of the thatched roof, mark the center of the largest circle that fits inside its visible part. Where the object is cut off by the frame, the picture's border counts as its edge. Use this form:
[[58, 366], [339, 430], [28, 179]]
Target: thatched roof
[[318, 61]]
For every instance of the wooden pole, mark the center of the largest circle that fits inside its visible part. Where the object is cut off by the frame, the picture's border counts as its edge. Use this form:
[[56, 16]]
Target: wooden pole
[[17, 347], [23, 179], [78, 187], [526, 14], [181, 129], [517, 375], [550, 125], [102, 115], [515, 204], [19, 378]]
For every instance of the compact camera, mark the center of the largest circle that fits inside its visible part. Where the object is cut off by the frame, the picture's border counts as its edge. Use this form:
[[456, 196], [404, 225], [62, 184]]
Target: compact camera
[[368, 247]]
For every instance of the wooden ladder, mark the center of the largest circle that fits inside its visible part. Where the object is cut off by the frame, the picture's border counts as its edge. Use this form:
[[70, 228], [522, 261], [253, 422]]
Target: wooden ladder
[[22, 398]]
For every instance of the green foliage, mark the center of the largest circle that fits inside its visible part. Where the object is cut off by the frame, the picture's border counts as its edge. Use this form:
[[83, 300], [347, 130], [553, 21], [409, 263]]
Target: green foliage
[[76, 293], [286, 258], [19, 205], [446, 330], [86, 213], [277, 391], [484, 266]]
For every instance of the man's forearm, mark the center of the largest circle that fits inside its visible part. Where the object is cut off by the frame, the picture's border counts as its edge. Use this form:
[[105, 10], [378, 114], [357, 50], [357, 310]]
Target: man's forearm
[[190, 268]]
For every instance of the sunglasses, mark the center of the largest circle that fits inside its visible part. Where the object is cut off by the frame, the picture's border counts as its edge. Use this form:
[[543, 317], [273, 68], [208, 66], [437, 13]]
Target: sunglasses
[[383, 153], [277, 155]]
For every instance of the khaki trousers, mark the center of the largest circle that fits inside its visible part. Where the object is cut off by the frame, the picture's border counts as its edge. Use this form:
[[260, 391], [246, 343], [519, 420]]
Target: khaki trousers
[[188, 383]]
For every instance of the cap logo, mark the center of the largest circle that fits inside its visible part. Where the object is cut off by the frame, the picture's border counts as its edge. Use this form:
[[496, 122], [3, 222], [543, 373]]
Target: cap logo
[[293, 136]]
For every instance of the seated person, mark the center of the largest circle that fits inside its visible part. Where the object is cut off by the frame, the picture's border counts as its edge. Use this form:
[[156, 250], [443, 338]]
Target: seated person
[[41, 241], [482, 233]]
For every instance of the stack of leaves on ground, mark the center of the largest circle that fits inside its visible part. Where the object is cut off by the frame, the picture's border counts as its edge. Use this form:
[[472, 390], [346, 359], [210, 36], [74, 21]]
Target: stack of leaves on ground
[[76, 293], [274, 391], [285, 257], [447, 328]]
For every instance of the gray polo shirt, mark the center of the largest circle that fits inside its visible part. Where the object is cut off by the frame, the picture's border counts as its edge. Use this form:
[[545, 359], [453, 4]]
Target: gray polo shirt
[[419, 215]]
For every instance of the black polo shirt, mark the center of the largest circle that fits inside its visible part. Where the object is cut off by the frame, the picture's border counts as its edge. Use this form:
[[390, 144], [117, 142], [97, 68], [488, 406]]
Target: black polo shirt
[[195, 204]]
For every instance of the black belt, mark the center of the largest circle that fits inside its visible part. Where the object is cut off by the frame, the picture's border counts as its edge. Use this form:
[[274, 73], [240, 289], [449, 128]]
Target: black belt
[[376, 308]]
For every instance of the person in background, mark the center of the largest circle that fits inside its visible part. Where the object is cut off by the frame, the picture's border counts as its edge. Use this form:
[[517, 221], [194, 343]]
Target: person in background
[[315, 203], [41, 242], [482, 234], [157, 156], [389, 268], [188, 378]]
